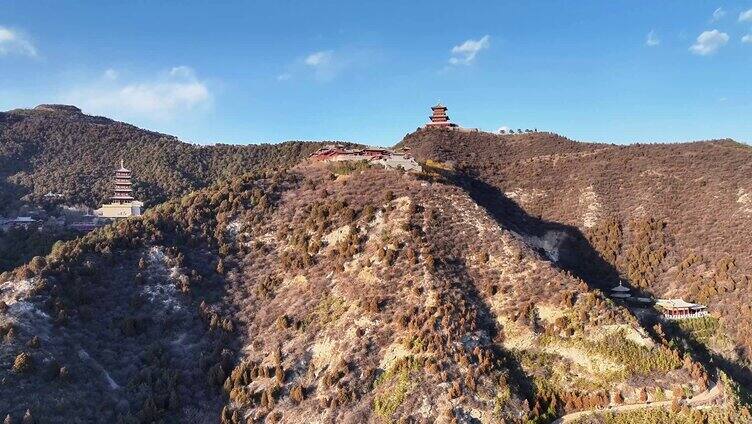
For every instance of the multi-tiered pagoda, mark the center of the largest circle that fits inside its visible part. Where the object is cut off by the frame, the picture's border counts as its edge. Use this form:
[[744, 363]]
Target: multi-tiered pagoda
[[123, 204], [439, 118], [123, 188]]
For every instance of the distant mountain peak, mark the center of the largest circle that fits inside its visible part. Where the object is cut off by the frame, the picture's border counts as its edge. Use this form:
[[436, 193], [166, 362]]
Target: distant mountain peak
[[58, 108]]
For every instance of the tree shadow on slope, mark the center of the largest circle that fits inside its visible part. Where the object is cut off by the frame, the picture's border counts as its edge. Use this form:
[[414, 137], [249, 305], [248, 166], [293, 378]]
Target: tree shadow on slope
[[567, 248], [457, 272], [563, 245]]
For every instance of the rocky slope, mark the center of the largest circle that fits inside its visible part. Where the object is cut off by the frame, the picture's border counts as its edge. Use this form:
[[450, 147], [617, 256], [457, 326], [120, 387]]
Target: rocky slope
[[320, 296]]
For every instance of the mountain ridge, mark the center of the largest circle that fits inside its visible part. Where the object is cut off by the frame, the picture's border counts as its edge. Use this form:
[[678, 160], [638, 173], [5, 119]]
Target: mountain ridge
[[474, 291], [59, 149]]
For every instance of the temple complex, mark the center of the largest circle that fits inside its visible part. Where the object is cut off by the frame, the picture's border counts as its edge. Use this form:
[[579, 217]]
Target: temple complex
[[387, 158], [674, 309], [123, 204], [439, 118]]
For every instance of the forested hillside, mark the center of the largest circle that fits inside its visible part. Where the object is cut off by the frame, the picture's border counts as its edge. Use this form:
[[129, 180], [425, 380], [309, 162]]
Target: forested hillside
[[474, 291], [58, 149], [325, 294], [669, 219]]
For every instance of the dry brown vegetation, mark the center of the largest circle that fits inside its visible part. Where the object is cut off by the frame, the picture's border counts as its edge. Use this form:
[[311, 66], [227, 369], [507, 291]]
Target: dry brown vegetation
[[667, 219], [54, 148], [367, 295], [356, 298]]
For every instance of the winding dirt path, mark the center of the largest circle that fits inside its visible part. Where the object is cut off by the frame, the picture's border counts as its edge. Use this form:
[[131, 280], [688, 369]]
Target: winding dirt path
[[696, 401]]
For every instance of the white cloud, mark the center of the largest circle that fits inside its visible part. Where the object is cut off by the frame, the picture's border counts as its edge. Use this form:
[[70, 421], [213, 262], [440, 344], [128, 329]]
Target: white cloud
[[718, 14], [319, 59], [162, 97], [709, 42], [503, 129], [746, 16], [652, 40], [13, 42], [111, 74], [184, 72], [464, 54], [747, 39], [326, 64]]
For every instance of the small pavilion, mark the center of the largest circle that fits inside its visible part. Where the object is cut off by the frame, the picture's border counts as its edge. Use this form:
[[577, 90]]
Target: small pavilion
[[620, 292]]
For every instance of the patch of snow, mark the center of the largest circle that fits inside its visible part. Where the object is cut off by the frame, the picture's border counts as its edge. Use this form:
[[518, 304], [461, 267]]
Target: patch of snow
[[525, 197], [426, 408], [337, 235], [30, 318], [589, 202], [165, 294], [160, 289], [85, 357], [432, 299], [157, 255], [745, 200], [549, 313], [12, 291], [392, 353], [323, 353], [233, 228]]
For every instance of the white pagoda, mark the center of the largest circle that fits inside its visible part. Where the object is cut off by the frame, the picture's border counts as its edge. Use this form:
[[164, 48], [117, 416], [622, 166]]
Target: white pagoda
[[123, 204]]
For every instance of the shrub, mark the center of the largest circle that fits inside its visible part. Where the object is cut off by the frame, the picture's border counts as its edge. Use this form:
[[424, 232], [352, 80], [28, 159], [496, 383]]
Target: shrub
[[23, 363], [297, 394], [34, 342]]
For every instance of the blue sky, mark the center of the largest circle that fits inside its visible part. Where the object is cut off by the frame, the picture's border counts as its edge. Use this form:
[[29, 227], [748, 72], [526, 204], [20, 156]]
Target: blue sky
[[247, 72]]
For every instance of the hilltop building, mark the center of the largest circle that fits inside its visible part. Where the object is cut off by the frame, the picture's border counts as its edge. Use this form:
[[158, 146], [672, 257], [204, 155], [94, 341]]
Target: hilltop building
[[439, 118], [673, 309], [123, 204], [384, 157]]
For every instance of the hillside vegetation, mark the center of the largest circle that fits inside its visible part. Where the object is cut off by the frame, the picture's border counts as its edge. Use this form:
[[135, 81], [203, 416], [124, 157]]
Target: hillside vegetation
[[372, 296], [668, 219], [475, 291], [58, 149]]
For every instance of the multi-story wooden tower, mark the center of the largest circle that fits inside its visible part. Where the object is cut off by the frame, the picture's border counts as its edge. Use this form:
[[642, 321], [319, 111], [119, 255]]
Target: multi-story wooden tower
[[123, 204], [123, 188], [439, 117]]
